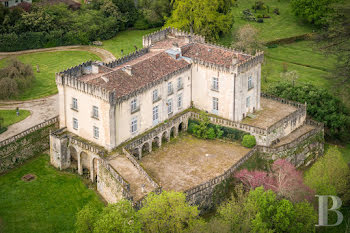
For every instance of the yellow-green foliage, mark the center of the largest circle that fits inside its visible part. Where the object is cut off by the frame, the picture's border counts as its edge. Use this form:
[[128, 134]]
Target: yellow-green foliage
[[330, 175]]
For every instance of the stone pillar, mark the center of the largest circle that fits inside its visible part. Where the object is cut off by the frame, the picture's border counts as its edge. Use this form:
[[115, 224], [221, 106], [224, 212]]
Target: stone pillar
[[176, 132], [159, 140], [139, 150], [150, 146], [80, 166], [168, 136]]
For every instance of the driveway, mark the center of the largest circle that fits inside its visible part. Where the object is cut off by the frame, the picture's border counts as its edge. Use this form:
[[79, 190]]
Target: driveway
[[41, 110]]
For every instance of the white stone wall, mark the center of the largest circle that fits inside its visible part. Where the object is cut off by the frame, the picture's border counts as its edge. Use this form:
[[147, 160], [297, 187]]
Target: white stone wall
[[202, 93], [145, 101], [109, 188], [84, 115], [11, 3], [242, 92]]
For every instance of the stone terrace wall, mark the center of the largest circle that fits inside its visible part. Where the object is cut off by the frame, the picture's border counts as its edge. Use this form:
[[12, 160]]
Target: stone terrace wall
[[141, 170], [129, 57], [154, 37], [303, 150], [201, 195], [109, 180], [17, 149]]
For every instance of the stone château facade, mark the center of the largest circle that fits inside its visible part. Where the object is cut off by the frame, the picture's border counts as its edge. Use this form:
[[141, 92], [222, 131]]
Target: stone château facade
[[147, 95]]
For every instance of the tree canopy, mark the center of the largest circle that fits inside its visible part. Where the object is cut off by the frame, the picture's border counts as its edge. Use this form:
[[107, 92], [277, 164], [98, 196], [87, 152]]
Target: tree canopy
[[209, 18]]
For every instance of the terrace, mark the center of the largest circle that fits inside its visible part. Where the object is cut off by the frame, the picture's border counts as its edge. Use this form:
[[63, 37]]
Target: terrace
[[187, 161]]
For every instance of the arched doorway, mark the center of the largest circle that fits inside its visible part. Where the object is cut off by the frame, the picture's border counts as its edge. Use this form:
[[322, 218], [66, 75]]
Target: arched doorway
[[172, 132], [73, 158], [164, 137], [85, 162], [156, 142], [145, 149], [181, 127]]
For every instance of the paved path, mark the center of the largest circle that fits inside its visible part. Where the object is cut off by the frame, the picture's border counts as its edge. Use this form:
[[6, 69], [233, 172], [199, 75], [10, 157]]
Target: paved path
[[45, 108], [105, 55], [41, 110]]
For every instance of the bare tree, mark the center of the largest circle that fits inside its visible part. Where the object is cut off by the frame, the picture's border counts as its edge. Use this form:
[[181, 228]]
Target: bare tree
[[246, 39]]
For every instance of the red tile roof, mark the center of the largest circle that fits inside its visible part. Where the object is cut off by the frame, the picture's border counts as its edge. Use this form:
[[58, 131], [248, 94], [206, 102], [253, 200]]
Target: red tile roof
[[143, 73]]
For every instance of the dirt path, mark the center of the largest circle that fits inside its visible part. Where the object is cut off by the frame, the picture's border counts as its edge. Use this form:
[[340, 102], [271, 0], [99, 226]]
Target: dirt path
[[105, 55], [40, 109]]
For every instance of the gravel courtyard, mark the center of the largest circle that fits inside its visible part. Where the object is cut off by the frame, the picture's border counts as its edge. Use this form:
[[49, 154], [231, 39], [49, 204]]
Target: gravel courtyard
[[188, 161]]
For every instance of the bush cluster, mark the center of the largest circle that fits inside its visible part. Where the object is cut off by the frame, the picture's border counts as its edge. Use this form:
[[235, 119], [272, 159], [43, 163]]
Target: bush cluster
[[204, 129], [248, 141], [14, 78], [321, 105]]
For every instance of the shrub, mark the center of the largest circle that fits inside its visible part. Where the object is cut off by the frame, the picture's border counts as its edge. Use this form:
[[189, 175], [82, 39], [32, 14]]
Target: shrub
[[276, 11], [248, 141], [211, 133], [260, 21]]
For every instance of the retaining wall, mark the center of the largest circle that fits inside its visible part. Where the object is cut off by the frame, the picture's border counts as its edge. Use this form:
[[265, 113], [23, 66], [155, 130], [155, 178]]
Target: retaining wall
[[17, 149]]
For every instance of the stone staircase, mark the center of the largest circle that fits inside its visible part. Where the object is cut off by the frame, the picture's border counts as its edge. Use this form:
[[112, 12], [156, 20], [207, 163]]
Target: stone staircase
[[140, 186], [303, 129]]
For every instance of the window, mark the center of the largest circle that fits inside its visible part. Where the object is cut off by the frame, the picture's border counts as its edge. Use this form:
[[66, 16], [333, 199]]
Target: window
[[170, 88], [74, 104], [179, 101], [155, 114], [170, 106], [155, 95], [95, 112], [96, 132], [248, 102], [250, 83], [215, 85], [75, 123], [6, 4], [179, 84], [134, 107], [133, 125], [215, 105]]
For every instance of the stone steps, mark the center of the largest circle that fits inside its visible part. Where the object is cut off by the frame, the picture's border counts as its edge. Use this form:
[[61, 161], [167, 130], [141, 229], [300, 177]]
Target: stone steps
[[294, 135], [133, 176]]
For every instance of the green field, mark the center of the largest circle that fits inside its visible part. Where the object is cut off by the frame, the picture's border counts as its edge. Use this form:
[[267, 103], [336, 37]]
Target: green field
[[10, 117], [47, 204], [311, 65], [278, 26], [126, 40], [49, 63]]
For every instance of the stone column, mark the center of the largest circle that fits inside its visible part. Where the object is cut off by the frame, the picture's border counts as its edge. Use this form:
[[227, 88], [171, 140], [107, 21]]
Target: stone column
[[80, 166], [139, 150], [150, 146], [159, 140]]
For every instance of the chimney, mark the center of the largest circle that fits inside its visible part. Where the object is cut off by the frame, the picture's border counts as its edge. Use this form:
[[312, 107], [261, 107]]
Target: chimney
[[128, 69]]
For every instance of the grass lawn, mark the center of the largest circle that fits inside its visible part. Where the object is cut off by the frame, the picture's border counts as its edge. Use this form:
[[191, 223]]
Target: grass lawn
[[126, 40], [49, 63], [311, 65], [278, 26], [47, 204], [10, 116]]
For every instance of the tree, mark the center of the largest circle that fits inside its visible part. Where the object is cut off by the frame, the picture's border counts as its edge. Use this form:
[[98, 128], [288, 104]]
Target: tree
[[155, 11], [330, 175], [209, 18], [321, 105], [247, 40], [313, 11], [248, 141], [118, 218], [284, 179], [335, 40], [87, 217], [262, 211], [167, 212]]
